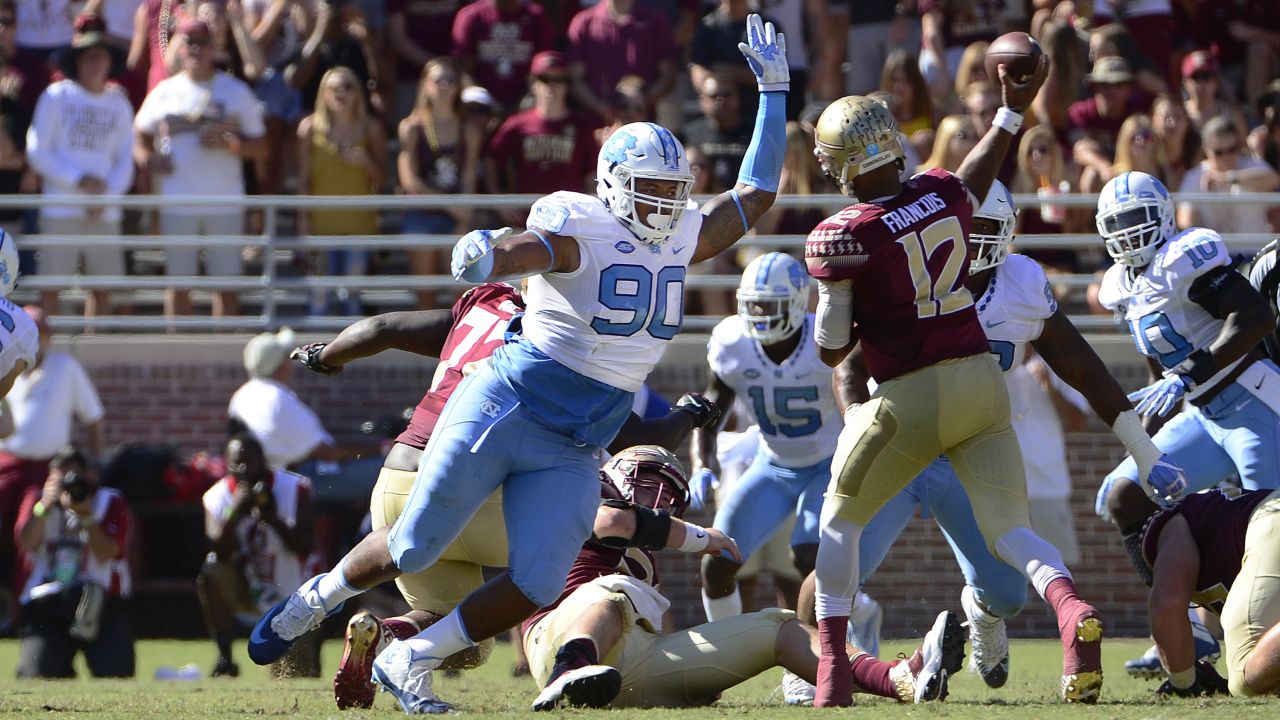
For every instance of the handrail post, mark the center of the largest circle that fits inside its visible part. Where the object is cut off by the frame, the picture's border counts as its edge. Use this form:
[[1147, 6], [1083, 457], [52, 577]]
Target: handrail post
[[269, 230]]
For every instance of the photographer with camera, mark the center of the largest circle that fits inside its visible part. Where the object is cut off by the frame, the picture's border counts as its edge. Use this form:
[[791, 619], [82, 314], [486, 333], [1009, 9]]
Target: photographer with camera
[[74, 538], [259, 523]]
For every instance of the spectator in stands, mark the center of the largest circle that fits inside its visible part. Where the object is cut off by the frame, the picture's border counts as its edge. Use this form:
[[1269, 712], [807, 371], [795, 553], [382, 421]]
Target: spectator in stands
[[341, 151], [45, 28], [862, 37], [1068, 62], [1137, 149], [720, 134], [715, 44], [981, 100], [417, 32], [1264, 140], [700, 166], [269, 409], [614, 39], [629, 105], [1206, 96], [233, 47], [340, 38], [1252, 52], [258, 520], [439, 155], [496, 41], [1148, 26], [973, 69], [805, 23], [1227, 169], [948, 27], [1116, 41], [44, 400], [1043, 408], [1093, 123], [118, 17], [74, 539], [1179, 142], [279, 27], [1042, 170], [194, 131], [913, 107], [955, 137], [547, 147], [22, 78], [155, 38], [81, 143]]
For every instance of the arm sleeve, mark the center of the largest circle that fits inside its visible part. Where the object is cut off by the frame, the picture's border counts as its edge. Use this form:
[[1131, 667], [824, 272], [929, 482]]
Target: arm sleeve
[[45, 126], [835, 313]]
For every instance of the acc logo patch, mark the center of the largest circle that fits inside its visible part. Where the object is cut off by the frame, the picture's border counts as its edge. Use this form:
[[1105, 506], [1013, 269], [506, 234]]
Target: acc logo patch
[[616, 147], [624, 247], [751, 373]]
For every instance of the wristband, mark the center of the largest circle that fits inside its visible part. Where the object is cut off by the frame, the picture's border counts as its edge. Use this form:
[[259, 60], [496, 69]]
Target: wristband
[[550, 250], [39, 510], [1008, 119], [696, 539]]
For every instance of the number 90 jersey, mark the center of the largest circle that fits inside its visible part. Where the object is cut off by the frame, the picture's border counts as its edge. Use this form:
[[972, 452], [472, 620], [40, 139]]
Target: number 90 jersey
[[1013, 308], [1166, 324], [610, 319], [792, 403]]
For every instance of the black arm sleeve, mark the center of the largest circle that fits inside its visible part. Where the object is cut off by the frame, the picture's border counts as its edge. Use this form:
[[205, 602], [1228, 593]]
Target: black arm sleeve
[[652, 528], [1208, 290]]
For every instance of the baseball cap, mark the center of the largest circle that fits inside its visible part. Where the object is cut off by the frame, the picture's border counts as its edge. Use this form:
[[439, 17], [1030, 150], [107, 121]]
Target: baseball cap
[[1110, 70], [477, 95], [548, 61], [266, 352], [1199, 61]]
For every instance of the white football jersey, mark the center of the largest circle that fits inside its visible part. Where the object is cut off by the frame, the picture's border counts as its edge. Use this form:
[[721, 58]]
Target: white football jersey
[[19, 337], [610, 319], [1165, 322], [1012, 310], [792, 403]]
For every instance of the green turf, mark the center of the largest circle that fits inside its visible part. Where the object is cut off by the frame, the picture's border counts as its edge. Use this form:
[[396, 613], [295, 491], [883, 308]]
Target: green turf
[[1030, 694]]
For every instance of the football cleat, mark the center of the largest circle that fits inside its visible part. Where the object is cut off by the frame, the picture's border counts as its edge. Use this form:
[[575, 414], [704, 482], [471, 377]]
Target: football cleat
[[864, 624], [1145, 667], [287, 621], [590, 686], [988, 642], [923, 677], [1085, 651], [353, 683], [796, 690], [396, 671]]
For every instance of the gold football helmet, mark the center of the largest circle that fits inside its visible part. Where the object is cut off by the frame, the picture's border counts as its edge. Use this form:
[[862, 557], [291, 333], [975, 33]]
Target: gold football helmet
[[855, 135]]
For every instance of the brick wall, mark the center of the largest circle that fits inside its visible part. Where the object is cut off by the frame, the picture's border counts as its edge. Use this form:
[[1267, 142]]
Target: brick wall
[[170, 392]]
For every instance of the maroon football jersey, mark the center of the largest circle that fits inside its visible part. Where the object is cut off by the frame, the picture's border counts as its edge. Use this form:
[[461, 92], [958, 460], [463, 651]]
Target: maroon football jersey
[[480, 319], [596, 561], [907, 259], [1218, 523]]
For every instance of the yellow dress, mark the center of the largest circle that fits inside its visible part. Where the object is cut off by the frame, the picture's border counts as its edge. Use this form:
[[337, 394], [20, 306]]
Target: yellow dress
[[921, 122], [331, 175]]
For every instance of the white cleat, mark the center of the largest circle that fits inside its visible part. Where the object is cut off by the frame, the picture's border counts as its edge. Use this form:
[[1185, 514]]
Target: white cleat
[[988, 642], [396, 671], [302, 612], [923, 676], [864, 624], [796, 690]]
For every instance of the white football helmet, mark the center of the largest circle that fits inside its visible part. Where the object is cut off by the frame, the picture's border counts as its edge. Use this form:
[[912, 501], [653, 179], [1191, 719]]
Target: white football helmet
[[773, 297], [1135, 217], [8, 263], [643, 151], [992, 248]]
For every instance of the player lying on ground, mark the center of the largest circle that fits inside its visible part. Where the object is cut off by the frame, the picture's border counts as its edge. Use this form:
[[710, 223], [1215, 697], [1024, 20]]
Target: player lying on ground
[[463, 338], [601, 309], [1220, 553], [600, 643], [891, 270]]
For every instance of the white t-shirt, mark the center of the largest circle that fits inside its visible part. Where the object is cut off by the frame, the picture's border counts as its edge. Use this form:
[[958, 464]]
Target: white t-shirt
[[44, 23], [184, 106], [43, 400], [1039, 430], [76, 133], [1226, 219], [286, 427]]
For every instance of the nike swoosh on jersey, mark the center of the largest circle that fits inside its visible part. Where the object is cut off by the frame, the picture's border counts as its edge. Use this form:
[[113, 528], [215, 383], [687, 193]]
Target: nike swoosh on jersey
[[994, 324], [1260, 381]]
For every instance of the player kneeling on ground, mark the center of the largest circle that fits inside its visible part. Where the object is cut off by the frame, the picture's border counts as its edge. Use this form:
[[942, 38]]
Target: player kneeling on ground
[[600, 644]]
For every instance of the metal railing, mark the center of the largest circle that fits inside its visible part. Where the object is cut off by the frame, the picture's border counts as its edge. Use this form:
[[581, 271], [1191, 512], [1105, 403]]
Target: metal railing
[[271, 290]]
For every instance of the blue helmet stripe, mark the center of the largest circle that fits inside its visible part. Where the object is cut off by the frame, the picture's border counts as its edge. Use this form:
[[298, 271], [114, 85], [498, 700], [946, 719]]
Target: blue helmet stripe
[[762, 274], [1125, 181], [670, 156]]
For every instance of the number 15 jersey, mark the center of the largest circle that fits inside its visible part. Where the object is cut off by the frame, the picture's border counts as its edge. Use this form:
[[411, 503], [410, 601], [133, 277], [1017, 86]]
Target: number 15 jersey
[[907, 260]]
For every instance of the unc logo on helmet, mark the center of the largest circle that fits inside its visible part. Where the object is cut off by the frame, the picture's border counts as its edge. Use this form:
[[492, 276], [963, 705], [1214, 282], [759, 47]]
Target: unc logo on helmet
[[773, 297], [1135, 217], [644, 153]]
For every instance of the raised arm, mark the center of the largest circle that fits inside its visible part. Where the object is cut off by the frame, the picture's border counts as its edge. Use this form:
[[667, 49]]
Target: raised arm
[[728, 216], [421, 332], [983, 163]]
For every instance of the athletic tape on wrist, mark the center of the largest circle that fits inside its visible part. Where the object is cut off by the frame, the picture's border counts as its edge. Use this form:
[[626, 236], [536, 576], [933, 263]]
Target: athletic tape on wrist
[[696, 539]]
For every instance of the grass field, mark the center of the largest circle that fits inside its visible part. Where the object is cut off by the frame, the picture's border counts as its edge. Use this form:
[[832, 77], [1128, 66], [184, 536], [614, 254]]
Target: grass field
[[491, 690]]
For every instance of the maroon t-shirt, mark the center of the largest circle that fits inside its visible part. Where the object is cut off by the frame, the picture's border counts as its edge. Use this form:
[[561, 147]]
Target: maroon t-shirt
[[480, 319], [549, 155], [612, 48], [428, 23], [1218, 523], [967, 21], [596, 561], [499, 47], [910, 306], [1084, 115]]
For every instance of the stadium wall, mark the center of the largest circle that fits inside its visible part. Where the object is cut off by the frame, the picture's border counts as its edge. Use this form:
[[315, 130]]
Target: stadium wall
[[175, 390]]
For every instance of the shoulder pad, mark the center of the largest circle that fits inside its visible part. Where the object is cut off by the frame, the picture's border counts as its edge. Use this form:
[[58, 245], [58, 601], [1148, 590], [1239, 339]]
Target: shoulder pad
[[569, 214], [1193, 253], [1109, 293]]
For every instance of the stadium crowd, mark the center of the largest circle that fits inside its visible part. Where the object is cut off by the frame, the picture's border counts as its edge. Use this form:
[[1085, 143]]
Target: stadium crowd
[[362, 97]]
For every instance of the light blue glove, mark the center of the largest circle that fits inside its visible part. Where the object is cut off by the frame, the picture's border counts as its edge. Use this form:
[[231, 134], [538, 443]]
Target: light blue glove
[[766, 53], [1100, 502], [473, 254], [700, 486], [1160, 397], [1168, 480]]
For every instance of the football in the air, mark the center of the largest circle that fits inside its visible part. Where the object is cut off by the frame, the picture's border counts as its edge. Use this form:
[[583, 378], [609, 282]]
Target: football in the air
[[1017, 51]]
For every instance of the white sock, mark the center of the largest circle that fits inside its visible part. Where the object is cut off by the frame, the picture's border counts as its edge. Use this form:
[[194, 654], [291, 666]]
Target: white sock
[[1036, 557], [837, 567], [333, 588], [442, 639], [720, 608]]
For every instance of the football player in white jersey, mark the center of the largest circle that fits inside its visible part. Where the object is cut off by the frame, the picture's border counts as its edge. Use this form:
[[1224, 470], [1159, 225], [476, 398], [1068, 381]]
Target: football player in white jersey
[[19, 336], [1200, 324], [1016, 306], [605, 294]]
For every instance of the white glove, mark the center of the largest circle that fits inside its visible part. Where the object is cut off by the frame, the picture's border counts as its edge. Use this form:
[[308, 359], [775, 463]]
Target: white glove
[[766, 53], [473, 254], [1161, 397], [700, 486]]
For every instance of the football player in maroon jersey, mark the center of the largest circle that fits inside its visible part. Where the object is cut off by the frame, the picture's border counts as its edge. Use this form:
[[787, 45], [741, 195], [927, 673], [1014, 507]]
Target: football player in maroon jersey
[[891, 271]]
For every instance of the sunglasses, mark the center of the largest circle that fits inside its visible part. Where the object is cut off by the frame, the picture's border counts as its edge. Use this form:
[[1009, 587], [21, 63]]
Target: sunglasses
[[718, 96], [1219, 152]]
